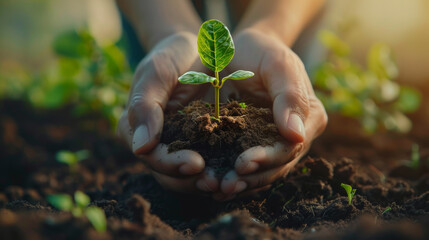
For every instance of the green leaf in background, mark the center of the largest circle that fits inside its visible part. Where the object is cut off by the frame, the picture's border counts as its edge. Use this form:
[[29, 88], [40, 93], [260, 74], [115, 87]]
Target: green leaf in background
[[409, 100], [66, 157], [381, 61], [82, 155], [215, 45], [239, 75], [81, 199], [61, 201], [334, 43], [97, 217], [192, 77], [73, 44]]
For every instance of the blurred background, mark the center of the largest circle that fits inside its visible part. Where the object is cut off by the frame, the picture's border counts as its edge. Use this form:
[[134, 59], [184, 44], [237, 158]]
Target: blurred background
[[368, 60]]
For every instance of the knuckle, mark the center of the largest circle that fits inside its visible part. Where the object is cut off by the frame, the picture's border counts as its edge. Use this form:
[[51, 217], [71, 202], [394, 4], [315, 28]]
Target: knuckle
[[299, 100]]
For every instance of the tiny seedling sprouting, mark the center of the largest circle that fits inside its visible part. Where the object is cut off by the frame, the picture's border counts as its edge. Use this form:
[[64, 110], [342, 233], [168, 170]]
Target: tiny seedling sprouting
[[415, 157], [386, 210], [80, 207], [216, 50], [243, 105], [350, 192], [72, 158]]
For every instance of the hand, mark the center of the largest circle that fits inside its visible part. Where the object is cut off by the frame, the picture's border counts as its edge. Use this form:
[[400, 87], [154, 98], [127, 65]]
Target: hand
[[281, 80], [155, 88]]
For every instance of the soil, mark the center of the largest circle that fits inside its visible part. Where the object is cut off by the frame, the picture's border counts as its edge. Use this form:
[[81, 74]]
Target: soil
[[391, 202], [219, 141]]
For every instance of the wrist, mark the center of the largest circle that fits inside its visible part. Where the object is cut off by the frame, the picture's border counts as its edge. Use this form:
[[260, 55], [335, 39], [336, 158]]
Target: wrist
[[170, 32]]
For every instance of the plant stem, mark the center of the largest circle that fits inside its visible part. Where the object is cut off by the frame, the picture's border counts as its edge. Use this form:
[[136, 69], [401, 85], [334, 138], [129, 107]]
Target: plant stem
[[217, 87]]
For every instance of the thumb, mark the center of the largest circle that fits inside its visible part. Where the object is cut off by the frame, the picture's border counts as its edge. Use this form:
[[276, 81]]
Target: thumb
[[285, 79]]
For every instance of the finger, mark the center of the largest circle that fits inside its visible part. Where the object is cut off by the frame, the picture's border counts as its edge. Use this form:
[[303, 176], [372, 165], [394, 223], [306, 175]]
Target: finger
[[219, 196], [183, 162], [262, 158], [284, 76], [187, 185], [209, 182], [233, 184], [182, 185]]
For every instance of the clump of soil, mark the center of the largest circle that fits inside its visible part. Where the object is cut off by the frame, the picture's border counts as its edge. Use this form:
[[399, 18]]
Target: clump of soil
[[221, 141]]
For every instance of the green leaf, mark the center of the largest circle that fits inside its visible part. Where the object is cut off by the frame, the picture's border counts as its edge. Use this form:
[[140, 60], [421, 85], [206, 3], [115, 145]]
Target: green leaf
[[380, 61], [350, 191], [192, 77], [239, 75], [334, 43], [97, 217], [73, 44], [386, 210], [215, 45], [66, 157], [61, 201], [409, 100], [243, 105], [81, 199], [82, 155]]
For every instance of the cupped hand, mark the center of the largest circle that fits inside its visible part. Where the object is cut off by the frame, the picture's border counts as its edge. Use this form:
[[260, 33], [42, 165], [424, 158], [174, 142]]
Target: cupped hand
[[280, 81], [155, 89]]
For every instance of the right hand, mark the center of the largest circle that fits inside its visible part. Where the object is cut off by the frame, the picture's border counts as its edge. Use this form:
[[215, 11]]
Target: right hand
[[155, 89]]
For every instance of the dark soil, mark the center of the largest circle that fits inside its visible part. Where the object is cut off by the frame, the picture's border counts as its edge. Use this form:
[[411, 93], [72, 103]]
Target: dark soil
[[308, 204], [219, 141]]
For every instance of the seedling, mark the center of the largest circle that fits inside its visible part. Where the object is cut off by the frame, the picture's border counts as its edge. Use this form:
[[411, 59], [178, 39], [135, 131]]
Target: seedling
[[415, 157], [386, 210], [216, 50], [72, 158], [243, 105], [80, 207], [350, 192]]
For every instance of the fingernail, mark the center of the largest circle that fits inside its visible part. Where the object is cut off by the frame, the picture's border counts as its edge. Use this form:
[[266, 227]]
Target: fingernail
[[203, 186], [296, 125], [251, 167], [140, 138], [239, 187]]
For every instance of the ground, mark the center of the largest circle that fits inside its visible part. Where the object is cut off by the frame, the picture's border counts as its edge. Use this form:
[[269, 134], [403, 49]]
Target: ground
[[308, 204]]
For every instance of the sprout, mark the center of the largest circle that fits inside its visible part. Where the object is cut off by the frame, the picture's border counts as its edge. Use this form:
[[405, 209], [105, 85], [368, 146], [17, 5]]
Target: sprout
[[386, 210], [415, 157], [216, 50], [350, 192], [80, 207], [243, 105], [72, 158]]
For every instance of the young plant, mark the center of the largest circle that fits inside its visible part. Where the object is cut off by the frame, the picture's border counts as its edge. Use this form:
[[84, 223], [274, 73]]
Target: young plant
[[350, 192], [72, 158], [216, 50], [415, 157], [80, 207], [243, 105]]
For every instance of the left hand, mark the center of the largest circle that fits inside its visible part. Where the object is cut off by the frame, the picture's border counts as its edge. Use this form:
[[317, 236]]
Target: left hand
[[281, 80]]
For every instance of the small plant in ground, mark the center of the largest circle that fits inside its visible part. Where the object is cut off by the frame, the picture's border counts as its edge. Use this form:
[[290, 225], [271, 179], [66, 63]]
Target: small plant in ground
[[72, 158], [386, 210], [243, 105], [80, 207], [415, 157], [350, 192], [216, 50]]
